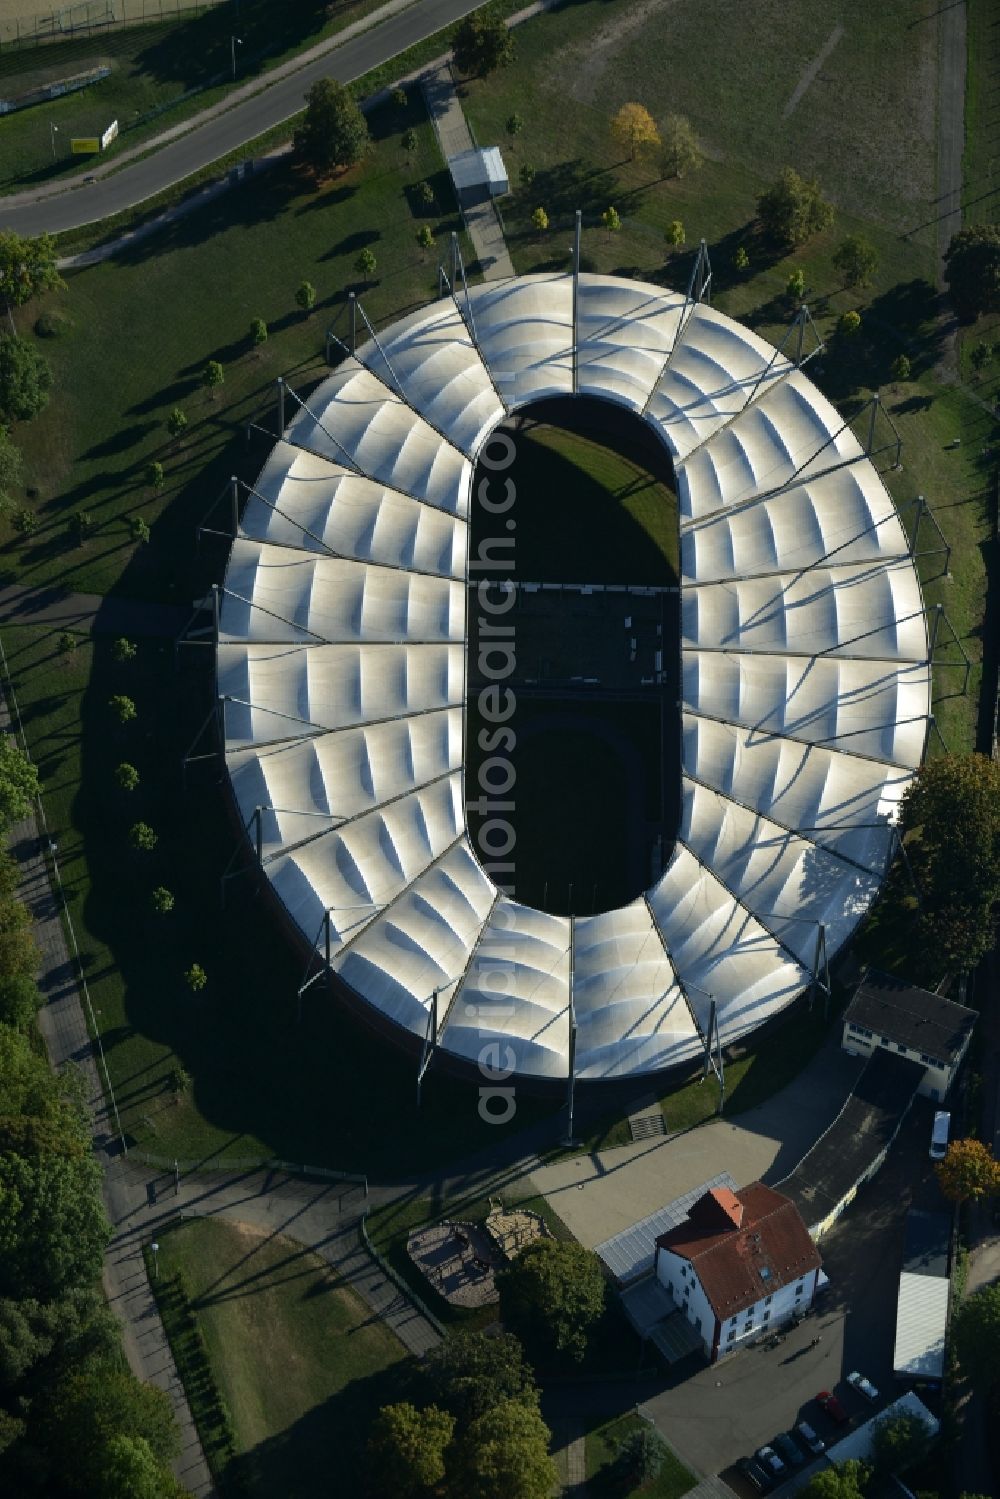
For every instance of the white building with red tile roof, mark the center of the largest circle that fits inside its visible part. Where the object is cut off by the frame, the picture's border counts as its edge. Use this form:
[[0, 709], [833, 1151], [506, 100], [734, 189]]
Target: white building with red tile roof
[[740, 1265]]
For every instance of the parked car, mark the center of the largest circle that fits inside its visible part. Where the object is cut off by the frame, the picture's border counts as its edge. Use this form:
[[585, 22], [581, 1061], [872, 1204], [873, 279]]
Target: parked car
[[790, 1450], [769, 1460], [863, 1386], [808, 1437], [755, 1474], [832, 1406]]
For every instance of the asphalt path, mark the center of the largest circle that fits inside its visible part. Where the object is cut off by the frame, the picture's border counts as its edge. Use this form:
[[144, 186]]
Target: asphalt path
[[230, 130]]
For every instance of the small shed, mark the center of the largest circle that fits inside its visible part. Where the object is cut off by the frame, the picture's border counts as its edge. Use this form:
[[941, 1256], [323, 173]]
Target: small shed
[[478, 175]]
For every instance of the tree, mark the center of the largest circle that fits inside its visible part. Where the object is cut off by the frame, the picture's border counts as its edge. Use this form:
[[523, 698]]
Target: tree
[[976, 1329], [127, 776], [482, 43], [213, 376], [680, 151], [154, 474], [551, 1297], [305, 296], [839, 1481], [66, 644], [180, 1082], [901, 367], [425, 192], [124, 649], [400, 98], [741, 259], [470, 1372], [611, 219], [258, 332], [900, 1442], [409, 141], [19, 1000], [139, 529], [334, 133], [176, 422], [639, 1458], [849, 324], [674, 234], [129, 1469], [366, 264], [514, 126], [527, 174], [90, 1412], [633, 129], [856, 261], [18, 783], [972, 270], [27, 268], [950, 818], [406, 1449], [24, 521], [792, 210], [81, 525], [505, 1451], [25, 380], [795, 286], [968, 1171], [142, 837], [162, 900], [540, 220], [10, 468], [52, 1225], [981, 356], [425, 237], [196, 978]]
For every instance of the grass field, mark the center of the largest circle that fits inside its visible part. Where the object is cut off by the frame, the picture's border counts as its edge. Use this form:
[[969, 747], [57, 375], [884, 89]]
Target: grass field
[[160, 75], [602, 1443], [112, 394], [302, 1365]]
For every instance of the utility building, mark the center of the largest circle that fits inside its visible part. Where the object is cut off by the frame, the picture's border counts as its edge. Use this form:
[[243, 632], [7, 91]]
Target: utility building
[[923, 1027]]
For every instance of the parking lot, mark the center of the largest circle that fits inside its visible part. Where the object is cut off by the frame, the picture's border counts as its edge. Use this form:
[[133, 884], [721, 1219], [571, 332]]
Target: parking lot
[[718, 1414]]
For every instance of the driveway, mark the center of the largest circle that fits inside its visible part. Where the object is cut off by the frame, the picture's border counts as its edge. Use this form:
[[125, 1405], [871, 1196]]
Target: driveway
[[599, 1195]]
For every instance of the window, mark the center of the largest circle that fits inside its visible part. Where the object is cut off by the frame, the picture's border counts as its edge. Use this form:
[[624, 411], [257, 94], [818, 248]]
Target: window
[[767, 1316], [731, 1335], [900, 1046], [884, 1040], [768, 1299], [858, 1030], [798, 1289]]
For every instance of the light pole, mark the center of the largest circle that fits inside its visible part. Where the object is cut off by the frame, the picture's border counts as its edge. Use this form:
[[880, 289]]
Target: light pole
[[53, 132], [154, 1246], [234, 42]]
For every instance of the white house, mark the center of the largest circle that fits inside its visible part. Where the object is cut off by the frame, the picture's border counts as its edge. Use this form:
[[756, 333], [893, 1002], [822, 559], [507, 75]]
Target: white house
[[741, 1264], [913, 1023]]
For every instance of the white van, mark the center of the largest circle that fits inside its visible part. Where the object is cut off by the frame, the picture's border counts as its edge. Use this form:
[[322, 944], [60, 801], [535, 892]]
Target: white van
[[939, 1135]]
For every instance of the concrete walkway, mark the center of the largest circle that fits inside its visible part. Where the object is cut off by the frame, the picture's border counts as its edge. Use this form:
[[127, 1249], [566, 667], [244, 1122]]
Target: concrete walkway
[[454, 136], [48, 604]]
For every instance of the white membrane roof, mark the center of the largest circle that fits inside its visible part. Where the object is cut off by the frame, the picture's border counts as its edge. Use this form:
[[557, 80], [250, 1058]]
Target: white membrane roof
[[341, 669]]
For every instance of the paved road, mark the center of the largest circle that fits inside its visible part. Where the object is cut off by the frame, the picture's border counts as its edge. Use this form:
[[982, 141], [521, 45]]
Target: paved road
[[48, 604], [227, 131], [453, 135]]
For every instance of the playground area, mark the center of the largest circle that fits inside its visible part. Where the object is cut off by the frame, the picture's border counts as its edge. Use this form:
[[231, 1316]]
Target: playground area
[[460, 1260]]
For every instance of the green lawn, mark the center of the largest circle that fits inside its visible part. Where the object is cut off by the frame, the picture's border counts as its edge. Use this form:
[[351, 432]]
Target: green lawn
[[301, 1363], [160, 75], [602, 1442]]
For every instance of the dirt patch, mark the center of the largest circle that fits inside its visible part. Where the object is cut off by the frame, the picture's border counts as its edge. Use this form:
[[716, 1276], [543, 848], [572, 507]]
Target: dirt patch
[[586, 62]]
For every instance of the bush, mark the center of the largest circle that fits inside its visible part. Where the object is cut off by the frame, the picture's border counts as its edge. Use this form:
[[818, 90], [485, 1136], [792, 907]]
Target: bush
[[51, 325]]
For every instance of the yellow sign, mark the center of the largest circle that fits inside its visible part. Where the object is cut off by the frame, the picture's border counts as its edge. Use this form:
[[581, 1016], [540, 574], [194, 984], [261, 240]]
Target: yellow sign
[[85, 145]]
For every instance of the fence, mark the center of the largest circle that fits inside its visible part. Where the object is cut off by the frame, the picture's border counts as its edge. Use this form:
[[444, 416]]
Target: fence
[[93, 18], [245, 1163]]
